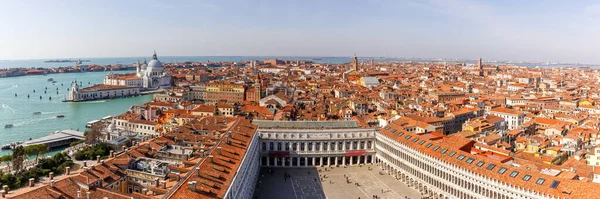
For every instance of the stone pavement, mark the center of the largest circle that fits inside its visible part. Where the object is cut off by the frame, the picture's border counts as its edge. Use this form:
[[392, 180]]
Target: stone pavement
[[305, 184]]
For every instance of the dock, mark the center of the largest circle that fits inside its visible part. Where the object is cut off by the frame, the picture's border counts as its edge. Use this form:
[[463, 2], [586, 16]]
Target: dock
[[57, 139]]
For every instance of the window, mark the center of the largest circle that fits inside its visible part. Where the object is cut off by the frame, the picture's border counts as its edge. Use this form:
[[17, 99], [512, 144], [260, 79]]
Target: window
[[470, 160], [401, 133], [540, 181], [435, 148], [422, 142], [408, 137], [491, 166], [415, 140], [443, 151], [394, 130], [526, 177], [554, 184], [514, 174], [461, 157], [451, 153], [387, 128], [480, 163], [502, 170], [428, 145]]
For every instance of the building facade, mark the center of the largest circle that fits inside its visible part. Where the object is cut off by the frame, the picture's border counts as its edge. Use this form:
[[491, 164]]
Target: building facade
[[314, 143], [100, 91]]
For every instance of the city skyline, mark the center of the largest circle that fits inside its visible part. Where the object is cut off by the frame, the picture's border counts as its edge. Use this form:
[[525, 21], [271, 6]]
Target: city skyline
[[511, 30]]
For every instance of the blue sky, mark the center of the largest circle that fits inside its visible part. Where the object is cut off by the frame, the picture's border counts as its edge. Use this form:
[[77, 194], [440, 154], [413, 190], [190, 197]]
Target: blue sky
[[494, 30]]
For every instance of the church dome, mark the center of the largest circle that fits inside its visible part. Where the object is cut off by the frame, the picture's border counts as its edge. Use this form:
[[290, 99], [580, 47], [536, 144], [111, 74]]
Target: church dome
[[154, 66]]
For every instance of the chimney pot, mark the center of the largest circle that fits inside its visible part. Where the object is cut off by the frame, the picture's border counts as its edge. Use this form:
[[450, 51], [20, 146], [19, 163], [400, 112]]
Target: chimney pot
[[112, 154], [51, 175], [31, 182], [52, 183], [210, 157], [89, 195], [67, 170], [123, 148], [84, 163], [97, 158], [145, 191], [78, 194], [5, 188], [3, 193], [192, 186], [164, 184], [219, 150], [197, 171]]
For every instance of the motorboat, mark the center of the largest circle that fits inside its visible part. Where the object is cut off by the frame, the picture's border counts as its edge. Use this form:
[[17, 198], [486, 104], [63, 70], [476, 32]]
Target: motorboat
[[6, 147], [37, 113], [9, 126], [50, 79], [60, 116]]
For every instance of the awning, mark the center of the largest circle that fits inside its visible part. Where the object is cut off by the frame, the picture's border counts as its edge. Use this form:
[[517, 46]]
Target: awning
[[356, 152], [279, 154]]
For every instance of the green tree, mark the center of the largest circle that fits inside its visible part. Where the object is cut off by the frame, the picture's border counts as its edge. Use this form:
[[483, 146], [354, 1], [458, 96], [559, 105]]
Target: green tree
[[18, 158], [7, 159], [36, 150]]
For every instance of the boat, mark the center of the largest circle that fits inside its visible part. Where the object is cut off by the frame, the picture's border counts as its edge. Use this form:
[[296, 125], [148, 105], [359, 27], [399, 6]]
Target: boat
[[60, 116], [8, 126], [37, 113], [59, 61], [50, 79], [53, 82]]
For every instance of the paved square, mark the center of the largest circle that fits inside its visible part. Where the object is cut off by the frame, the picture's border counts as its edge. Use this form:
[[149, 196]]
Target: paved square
[[304, 183]]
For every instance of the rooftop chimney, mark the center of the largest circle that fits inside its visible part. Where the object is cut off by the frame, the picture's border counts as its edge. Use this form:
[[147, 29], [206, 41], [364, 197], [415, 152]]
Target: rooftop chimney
[[164, 184], [5, 188], [123, 148], [145, 191], [210, 157], [3, 193], [52, 183], [89, 195], [112, 154], [192, 186], [67, 170], [84, 163], [219, 150], [51, 175], [197, 171], [78, 194], [31, 182], [97, 158]]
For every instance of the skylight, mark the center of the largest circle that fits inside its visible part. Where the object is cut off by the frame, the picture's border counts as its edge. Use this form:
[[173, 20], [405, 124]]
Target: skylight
[[514, 174], [502, 170], [422, 142], [435, 148], [480, 163], [540, 181], [526, 177], [443, 151], [491, 166], [461, 157], [452, 153], [470, 160], [428, 145]]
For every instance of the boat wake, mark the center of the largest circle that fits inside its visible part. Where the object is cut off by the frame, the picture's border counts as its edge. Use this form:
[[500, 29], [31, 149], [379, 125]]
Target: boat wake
[[7, 108], [32, 121], [52, 112]]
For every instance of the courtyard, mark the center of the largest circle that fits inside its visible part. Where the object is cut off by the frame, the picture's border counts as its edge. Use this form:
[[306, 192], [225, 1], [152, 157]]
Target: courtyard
[[333, 183]]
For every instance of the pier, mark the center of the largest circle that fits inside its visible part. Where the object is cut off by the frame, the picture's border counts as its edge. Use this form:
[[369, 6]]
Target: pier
[[57, 139]]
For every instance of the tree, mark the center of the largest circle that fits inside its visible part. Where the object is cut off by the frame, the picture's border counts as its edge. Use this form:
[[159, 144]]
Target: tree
[[36, 150], [7, 159], [93, 134], [18, 158]]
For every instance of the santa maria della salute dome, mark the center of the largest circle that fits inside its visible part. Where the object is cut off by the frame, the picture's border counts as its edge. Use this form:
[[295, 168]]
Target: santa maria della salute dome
[[148, 75]]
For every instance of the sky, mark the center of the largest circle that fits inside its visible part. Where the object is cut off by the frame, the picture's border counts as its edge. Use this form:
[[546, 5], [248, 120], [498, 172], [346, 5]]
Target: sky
[[565, 31]]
